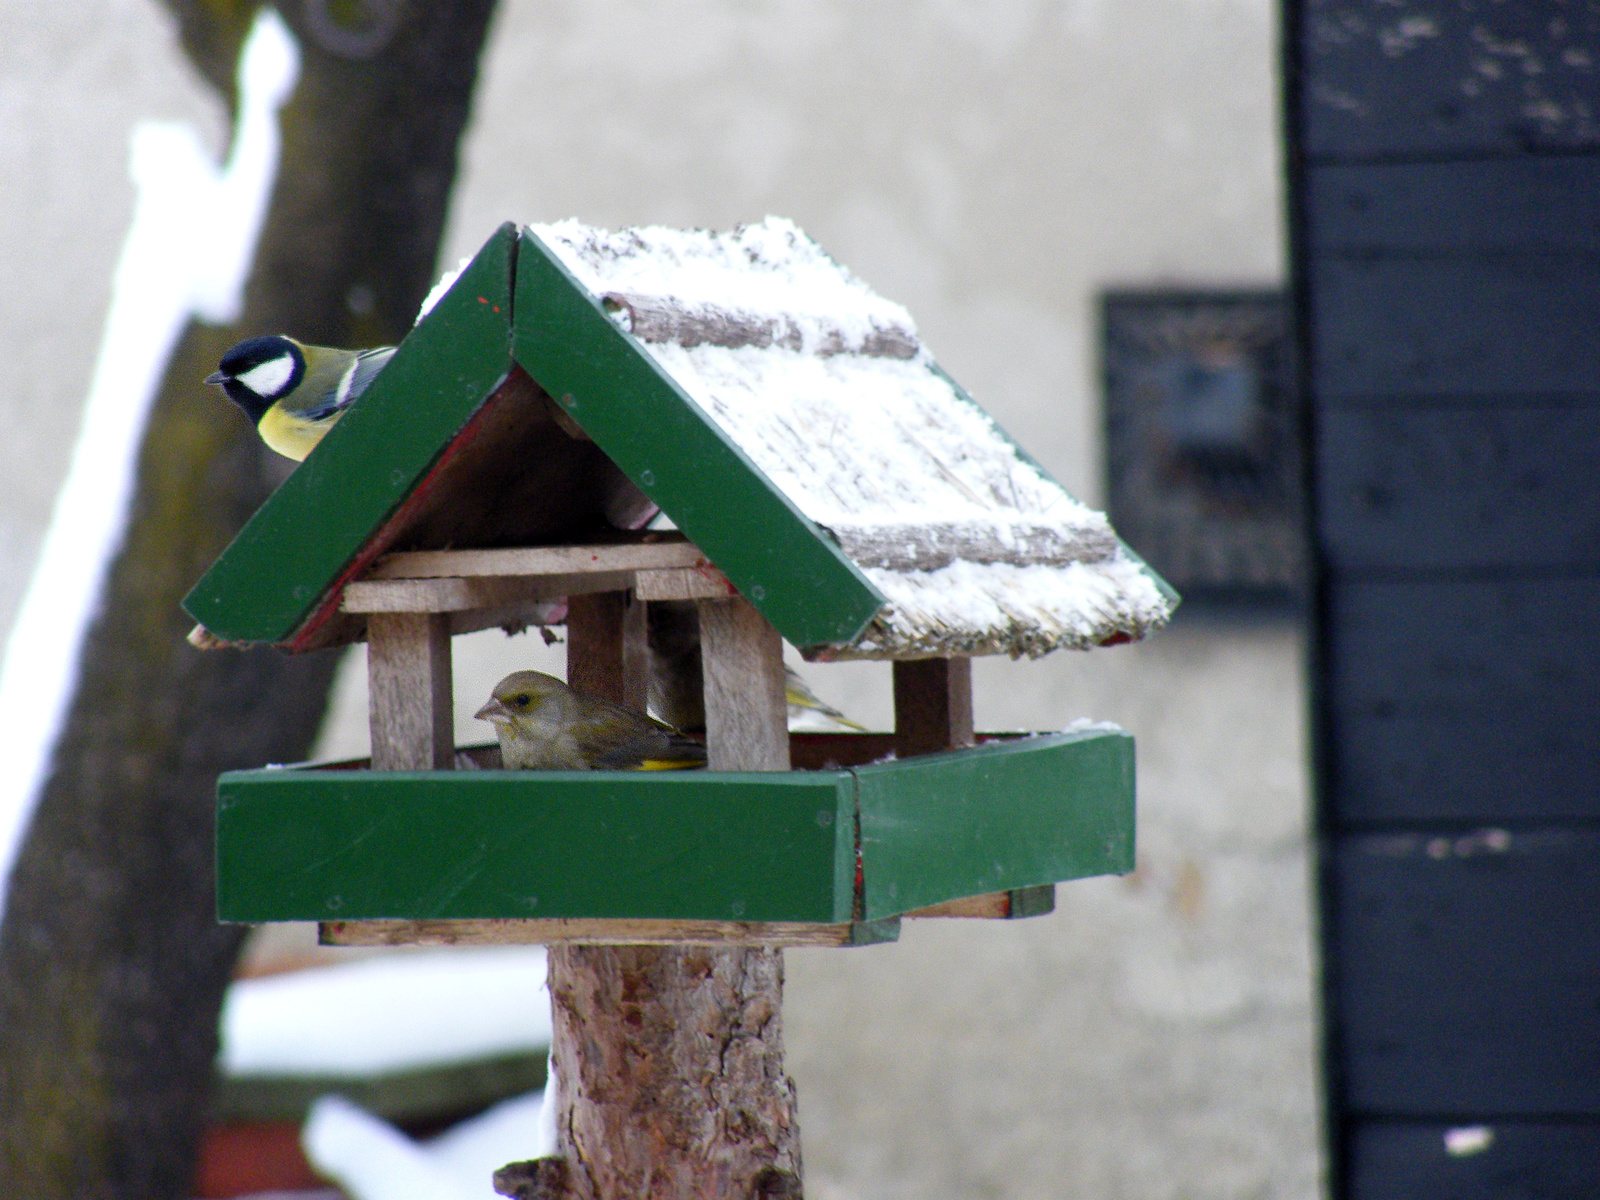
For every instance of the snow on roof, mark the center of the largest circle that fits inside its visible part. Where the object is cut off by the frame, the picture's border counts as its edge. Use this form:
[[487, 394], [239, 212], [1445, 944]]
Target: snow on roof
[[826, 387]]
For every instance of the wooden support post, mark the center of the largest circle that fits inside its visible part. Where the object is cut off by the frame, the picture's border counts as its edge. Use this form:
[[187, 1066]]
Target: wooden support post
[[932, 705], [747, 717], [607, 653], [669, 1059], [408, 681]]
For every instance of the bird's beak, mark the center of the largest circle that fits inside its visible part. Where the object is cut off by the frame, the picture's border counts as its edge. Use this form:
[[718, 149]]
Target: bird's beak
[[492, 711], [217, 377]]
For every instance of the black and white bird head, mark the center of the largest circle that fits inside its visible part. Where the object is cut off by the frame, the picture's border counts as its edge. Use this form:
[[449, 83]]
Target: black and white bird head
[[258, 373]]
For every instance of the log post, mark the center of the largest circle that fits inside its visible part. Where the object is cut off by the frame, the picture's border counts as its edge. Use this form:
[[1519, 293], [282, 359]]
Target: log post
[[409, 688], [670, 1058]]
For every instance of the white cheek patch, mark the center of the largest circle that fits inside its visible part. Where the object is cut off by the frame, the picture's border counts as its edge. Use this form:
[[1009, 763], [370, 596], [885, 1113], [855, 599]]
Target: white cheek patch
[[266, 379]]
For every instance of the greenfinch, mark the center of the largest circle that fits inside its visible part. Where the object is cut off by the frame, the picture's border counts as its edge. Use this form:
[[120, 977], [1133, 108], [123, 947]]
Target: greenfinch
[[808, 711], [543, 725], [294, 393]]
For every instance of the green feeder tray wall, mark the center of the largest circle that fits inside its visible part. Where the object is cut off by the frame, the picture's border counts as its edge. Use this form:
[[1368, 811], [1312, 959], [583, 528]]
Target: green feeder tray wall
[[307, 844]]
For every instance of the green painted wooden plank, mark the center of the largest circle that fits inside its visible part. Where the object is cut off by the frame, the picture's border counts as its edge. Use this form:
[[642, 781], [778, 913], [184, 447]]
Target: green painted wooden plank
[[997, 817], [666, 444], [353, 845], [293, 549]]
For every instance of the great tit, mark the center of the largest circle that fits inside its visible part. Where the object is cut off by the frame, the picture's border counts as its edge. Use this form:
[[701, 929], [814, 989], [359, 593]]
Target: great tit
[[294, 393], [543, 725]]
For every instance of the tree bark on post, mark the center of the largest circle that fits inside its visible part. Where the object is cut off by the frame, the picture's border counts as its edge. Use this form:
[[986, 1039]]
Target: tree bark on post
[[670, 1058], [112, 964], [670, 1062]]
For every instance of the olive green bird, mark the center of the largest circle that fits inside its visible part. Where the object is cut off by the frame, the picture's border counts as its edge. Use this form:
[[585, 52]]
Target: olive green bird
[[292, 392], [543, 725], [808, 711]]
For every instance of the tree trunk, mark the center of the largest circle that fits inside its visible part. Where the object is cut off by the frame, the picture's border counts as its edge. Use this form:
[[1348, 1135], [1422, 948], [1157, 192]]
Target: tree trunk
[[670, 1061], [112, 964]]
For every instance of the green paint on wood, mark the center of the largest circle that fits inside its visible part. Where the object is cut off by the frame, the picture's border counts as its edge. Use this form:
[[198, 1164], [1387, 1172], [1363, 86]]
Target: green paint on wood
[[642, 419], [353, 845], [996, 817], [750, 846], [296, 545]]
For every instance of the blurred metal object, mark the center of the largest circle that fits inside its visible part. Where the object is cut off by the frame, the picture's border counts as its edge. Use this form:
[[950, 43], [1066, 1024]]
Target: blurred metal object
[[1202, 443]]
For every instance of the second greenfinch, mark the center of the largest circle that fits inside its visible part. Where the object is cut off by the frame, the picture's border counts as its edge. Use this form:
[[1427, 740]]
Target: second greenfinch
[[810, 712], [543, 725]]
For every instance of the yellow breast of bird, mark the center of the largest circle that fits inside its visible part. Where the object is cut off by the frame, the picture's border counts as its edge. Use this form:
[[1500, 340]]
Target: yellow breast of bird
[[293, 436]]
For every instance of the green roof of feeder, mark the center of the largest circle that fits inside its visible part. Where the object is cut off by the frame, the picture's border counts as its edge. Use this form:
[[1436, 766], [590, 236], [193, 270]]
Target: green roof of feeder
[[784, 417]]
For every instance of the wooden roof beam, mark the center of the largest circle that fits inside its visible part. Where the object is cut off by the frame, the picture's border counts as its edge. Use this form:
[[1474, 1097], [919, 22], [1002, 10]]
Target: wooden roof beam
[[539, 560]]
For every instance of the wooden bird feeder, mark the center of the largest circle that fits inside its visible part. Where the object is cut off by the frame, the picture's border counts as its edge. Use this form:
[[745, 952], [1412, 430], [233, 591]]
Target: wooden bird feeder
[[828, 484]]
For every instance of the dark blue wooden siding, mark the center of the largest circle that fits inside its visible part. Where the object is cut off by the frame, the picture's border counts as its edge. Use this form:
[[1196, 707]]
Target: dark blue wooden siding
[[1445, 191]]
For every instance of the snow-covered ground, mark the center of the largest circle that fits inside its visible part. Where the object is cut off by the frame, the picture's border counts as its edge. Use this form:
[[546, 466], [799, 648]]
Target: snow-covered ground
[[389, 1013], [372, 1160], [393, 1013]]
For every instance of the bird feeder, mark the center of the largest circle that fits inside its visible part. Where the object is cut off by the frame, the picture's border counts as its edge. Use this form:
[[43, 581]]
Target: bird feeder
[[826, 483]]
